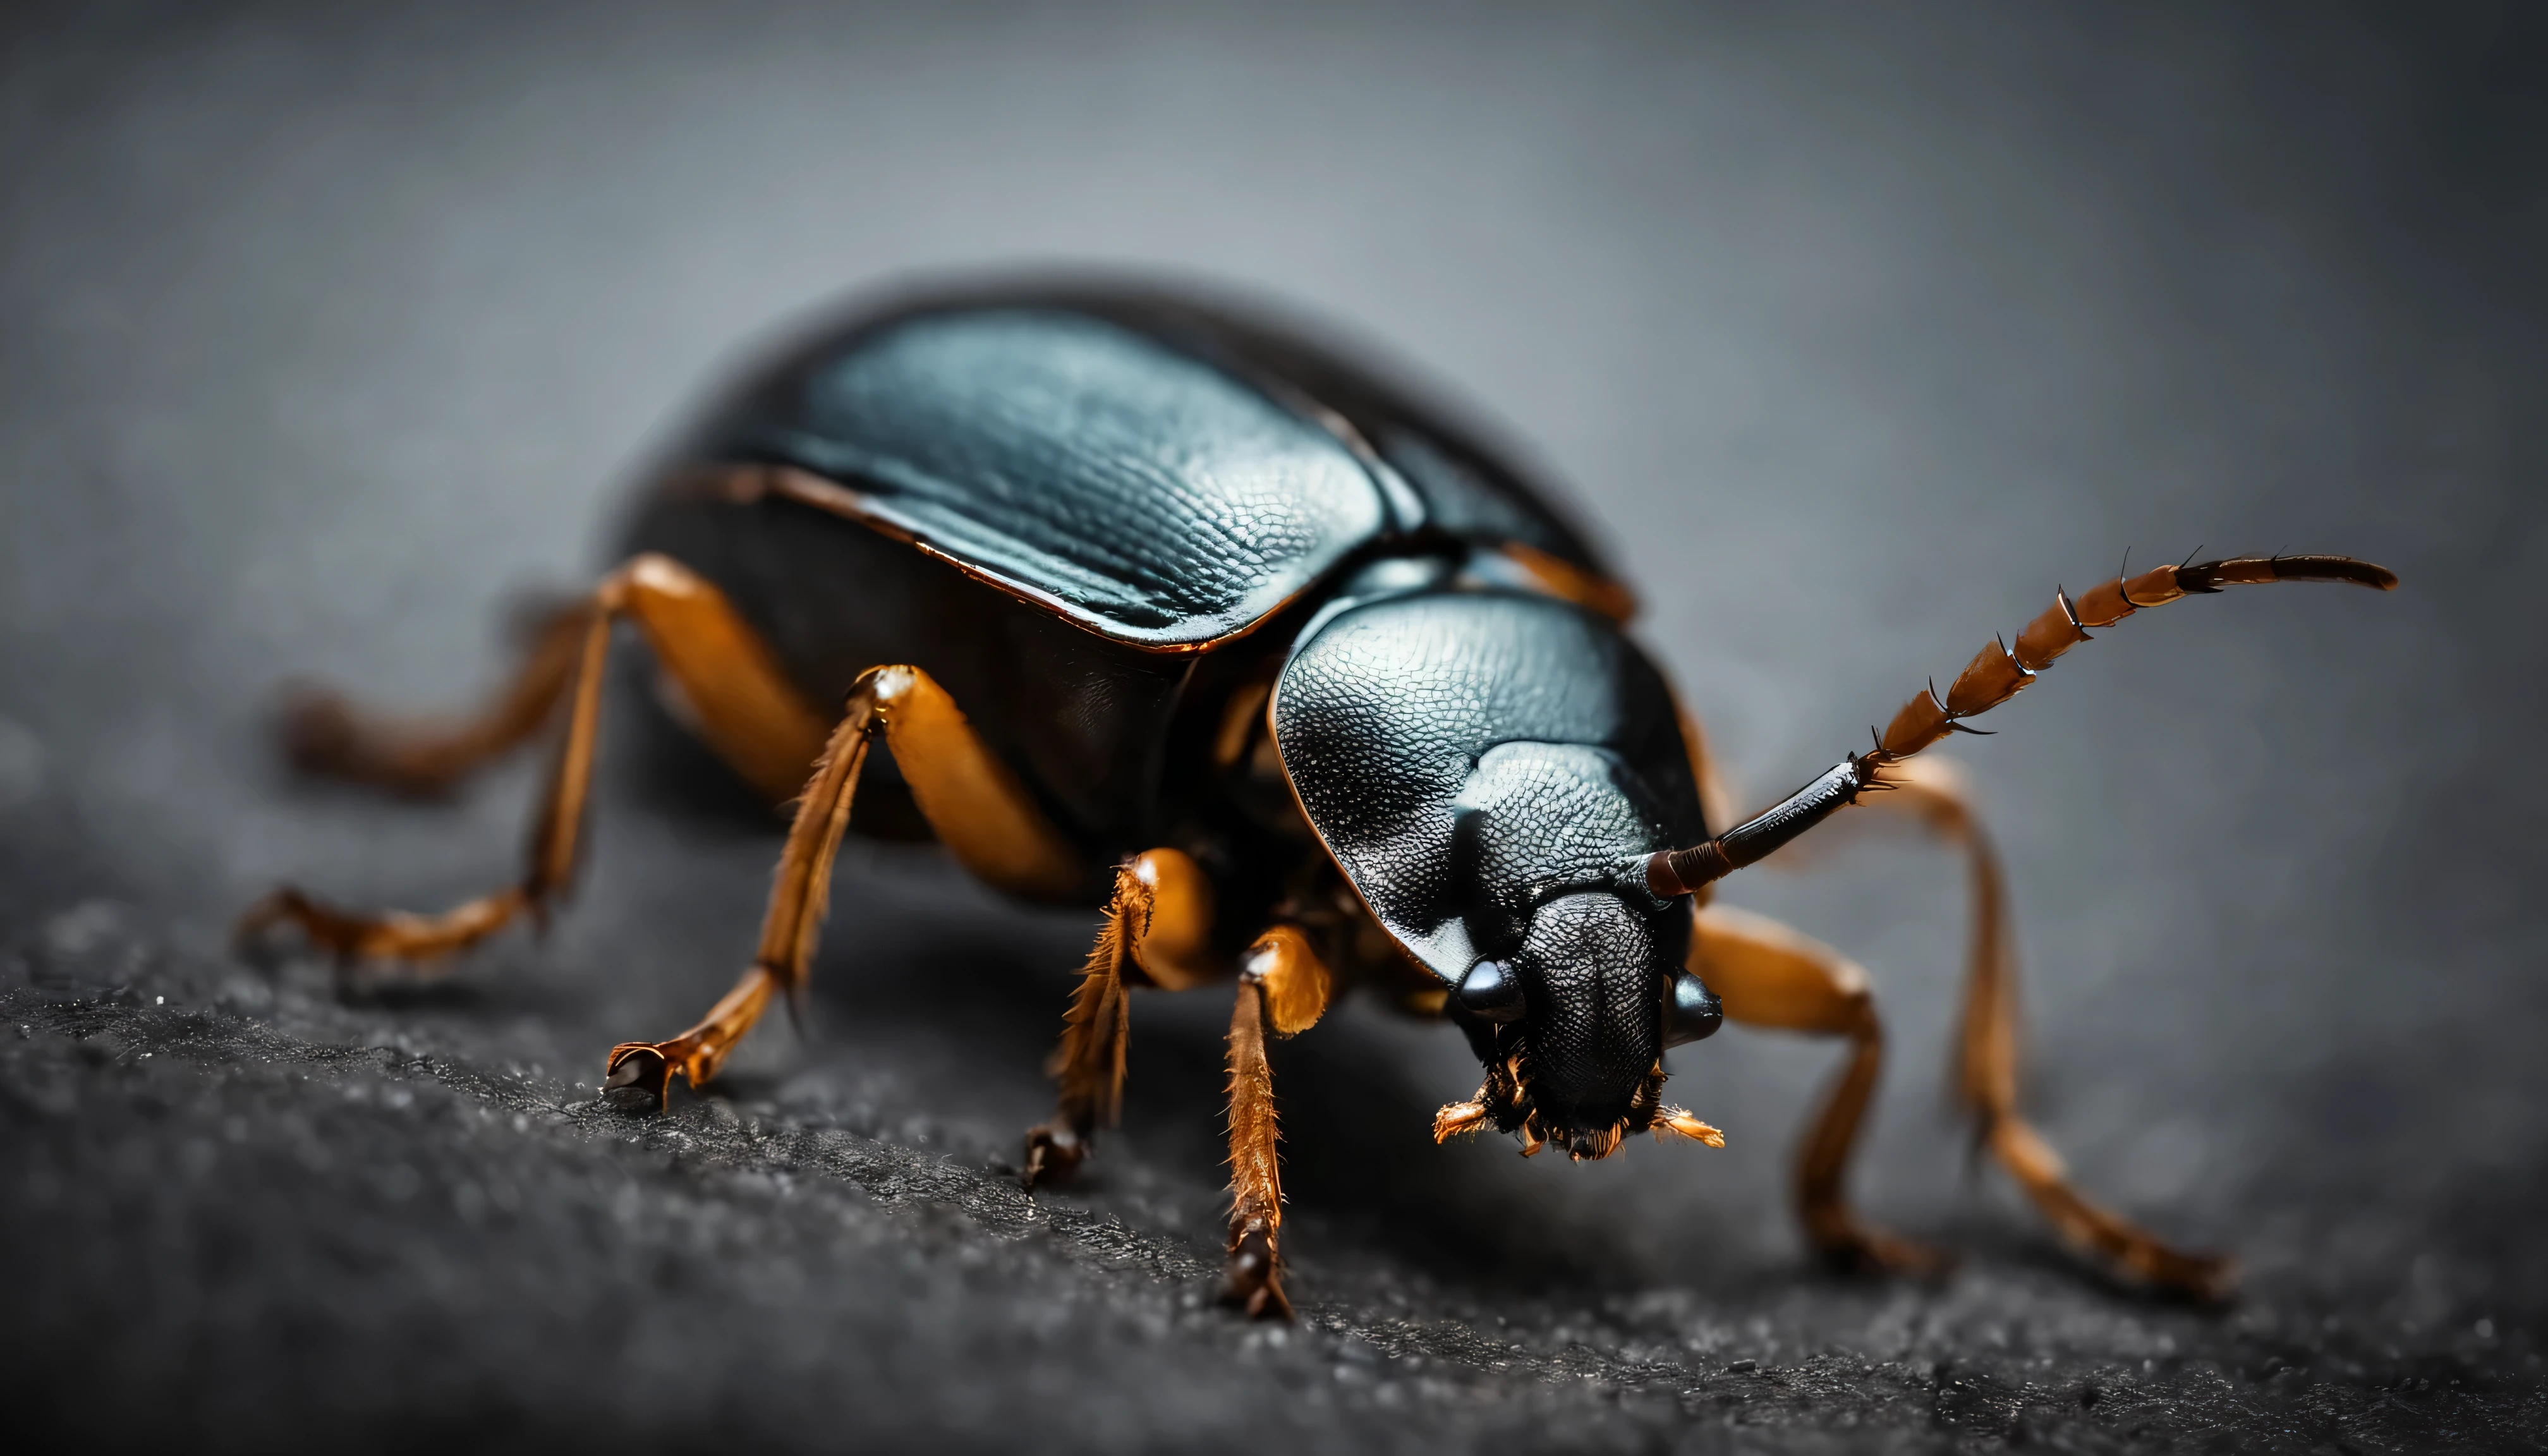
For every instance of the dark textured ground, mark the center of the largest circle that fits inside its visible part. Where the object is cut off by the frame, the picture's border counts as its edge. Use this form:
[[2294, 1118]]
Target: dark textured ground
[[324, 331]]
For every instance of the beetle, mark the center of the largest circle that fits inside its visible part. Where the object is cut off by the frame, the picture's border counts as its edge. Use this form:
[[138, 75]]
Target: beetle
[[1158, 604]]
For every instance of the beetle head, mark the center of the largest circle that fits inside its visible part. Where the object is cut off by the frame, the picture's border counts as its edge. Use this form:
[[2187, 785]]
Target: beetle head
[[1578, 985]]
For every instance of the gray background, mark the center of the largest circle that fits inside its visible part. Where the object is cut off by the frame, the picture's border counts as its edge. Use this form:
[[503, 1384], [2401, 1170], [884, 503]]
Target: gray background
[[1855, 331]]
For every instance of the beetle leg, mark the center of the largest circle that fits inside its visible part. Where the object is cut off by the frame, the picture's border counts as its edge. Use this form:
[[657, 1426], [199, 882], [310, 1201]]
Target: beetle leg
[[1089, 1063], [324, 735], [747, 711], [970, 798], [1769, 976], [1986, 1054], [1158, 932], [639, 1075], [1284, 986]]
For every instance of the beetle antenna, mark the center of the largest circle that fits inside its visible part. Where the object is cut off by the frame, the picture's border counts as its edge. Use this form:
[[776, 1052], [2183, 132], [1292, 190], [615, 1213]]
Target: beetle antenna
[[1992, 678]]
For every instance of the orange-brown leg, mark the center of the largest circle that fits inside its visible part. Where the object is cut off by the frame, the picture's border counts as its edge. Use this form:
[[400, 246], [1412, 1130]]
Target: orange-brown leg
[[1282, 988], [325, 735], [970, 798], [1158, 932], [747, 711], [1935, 792], [1769, 976]]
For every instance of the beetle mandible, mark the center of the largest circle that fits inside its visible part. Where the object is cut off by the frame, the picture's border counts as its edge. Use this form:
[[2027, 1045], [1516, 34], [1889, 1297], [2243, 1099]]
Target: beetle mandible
[[1158, 604]]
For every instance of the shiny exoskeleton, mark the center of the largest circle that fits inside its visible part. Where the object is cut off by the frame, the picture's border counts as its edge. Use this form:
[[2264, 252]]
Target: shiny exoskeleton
[[1158, 606]]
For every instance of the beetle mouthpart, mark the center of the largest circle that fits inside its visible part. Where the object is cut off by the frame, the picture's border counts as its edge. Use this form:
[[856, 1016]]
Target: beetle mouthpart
[[1593, 1146], [1459, 1120], [1673, 1121], [1531, 1140], [639, 1080], [1583, 1145]]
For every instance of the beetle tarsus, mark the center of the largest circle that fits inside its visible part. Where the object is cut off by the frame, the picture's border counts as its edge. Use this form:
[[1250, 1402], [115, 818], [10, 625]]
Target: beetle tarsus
[[1256, 1271], [640, 1079], [1052, 1155]]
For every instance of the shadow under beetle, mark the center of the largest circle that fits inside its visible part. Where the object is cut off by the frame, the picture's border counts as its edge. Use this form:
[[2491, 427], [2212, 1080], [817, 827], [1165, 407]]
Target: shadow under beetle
[[1157, 603]]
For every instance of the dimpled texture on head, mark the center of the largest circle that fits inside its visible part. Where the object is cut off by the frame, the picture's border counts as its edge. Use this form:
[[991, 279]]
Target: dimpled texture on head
[[1535, 819], [1588, 972]]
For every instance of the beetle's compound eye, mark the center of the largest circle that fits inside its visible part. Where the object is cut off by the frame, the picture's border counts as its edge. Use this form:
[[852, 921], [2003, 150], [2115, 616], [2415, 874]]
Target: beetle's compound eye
[[1492, 992], [1692, 1012]]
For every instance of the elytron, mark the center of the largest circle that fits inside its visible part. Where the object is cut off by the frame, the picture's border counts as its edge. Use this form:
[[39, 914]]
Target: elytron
[[1158, 606]]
